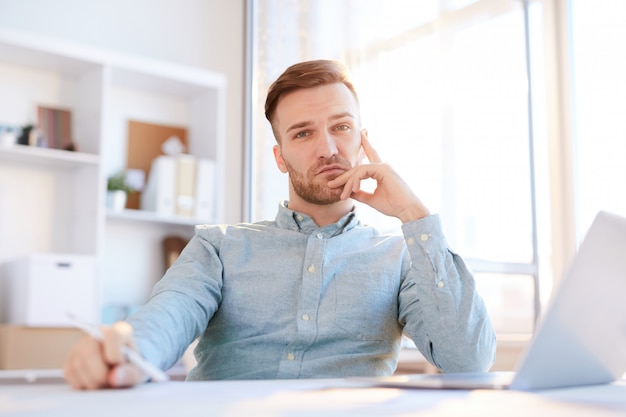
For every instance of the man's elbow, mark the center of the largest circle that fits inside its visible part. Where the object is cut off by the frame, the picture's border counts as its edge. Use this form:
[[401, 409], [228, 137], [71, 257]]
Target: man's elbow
[[484, 353], [478, 356]]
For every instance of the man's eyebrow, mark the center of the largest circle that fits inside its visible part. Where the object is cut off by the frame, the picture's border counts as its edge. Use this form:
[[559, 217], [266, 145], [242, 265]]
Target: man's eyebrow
[[306, 123], [299, 125]]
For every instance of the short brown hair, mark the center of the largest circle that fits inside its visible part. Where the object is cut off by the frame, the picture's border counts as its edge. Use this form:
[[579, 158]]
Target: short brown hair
[[306, 74]]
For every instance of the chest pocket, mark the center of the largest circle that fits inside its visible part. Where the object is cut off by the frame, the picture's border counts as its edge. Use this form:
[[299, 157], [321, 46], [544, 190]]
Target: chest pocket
[[365, 308]]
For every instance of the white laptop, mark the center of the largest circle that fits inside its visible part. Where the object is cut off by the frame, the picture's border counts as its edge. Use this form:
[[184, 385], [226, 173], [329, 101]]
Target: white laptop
[[581, 338]]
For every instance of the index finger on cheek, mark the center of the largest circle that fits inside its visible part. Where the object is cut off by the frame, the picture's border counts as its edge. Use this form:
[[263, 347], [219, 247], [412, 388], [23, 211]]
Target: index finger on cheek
[[370, 152]]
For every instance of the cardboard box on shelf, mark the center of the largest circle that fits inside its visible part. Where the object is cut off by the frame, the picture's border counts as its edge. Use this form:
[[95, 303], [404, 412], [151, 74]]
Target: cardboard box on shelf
[[24, 347]]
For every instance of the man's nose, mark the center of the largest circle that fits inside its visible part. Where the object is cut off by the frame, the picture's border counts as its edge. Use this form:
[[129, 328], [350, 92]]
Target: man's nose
[[327, 146]]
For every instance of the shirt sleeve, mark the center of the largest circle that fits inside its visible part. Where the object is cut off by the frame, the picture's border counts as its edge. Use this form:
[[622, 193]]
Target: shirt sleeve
[[439, 306], [182, 302]]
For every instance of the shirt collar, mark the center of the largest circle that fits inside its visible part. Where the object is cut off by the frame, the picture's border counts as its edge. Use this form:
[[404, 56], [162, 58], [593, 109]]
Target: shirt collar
[[292, 220]]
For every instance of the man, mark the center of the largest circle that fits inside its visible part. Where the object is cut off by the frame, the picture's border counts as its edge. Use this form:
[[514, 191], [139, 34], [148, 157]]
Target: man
[[314, 293]]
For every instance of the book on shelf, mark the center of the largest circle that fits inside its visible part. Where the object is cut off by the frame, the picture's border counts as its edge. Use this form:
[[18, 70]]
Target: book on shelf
[[56, 128]]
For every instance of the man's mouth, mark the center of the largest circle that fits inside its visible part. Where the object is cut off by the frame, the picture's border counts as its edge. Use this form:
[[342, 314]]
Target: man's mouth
[[331, 170]]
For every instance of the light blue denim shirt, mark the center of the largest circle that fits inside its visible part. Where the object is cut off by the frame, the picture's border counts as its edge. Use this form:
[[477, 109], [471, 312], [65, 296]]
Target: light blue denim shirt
[[289, 299]]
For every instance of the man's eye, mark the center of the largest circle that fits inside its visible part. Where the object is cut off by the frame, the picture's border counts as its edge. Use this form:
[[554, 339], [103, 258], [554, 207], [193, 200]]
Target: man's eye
[[301, 134], [342, 127]]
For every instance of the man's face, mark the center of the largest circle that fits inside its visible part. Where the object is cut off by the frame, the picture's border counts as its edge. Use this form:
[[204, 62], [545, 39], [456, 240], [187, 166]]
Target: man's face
[[319, 139]]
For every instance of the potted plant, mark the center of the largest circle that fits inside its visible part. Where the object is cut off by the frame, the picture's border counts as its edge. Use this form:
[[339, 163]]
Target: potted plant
[[118, 191]]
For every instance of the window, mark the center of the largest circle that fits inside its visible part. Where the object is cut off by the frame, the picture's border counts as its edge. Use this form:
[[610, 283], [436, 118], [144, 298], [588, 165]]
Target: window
[[444, 90], [599, 107]]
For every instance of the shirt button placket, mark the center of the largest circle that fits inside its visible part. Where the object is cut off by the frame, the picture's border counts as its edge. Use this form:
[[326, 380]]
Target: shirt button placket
[[307, 307]]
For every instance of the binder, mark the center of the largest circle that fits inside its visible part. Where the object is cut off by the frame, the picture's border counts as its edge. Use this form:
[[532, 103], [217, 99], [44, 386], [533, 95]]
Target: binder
[[205, 190], [182, 185], [160, 192], [185, 185]]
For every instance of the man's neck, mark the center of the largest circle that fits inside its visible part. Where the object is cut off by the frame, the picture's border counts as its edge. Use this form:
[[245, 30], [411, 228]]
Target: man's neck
[[322, 215]]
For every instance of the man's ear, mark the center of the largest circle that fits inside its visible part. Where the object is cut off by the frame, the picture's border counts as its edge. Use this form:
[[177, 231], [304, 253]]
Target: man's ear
[[278, 156]]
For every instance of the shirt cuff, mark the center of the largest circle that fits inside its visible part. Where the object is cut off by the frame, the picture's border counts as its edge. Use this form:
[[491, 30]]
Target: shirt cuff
[[425, 235]]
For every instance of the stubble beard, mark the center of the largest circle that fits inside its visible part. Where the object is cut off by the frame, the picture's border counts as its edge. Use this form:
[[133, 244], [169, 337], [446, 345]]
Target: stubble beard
[[310, 191]]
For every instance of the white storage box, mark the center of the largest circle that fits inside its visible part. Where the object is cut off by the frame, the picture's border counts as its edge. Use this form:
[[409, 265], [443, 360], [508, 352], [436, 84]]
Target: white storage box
[[41, 289]]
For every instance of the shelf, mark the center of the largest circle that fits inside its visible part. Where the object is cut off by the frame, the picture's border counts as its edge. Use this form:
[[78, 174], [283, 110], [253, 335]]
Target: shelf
[[151, 217], [53, 200], [35, 52], [53, 158], [141, 73]]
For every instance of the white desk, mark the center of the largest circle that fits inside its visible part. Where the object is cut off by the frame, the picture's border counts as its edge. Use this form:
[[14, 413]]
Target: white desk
[[328, 397]]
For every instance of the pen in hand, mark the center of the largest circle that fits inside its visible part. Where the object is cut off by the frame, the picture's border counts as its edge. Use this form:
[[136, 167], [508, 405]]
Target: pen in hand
[[131, 355]]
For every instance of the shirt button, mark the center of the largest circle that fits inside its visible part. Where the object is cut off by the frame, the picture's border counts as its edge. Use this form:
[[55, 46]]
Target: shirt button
[[312, 269], [291, 356], [440, 284], [299, 217], [424, 237], [305, 317], [320, 235], [410, 241]]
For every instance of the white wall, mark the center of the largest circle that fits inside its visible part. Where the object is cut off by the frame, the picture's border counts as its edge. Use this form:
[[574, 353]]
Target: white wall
[[203, 33]]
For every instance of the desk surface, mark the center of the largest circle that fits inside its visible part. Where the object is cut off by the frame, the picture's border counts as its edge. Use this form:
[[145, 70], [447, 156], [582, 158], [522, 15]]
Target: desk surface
[[327, 397]]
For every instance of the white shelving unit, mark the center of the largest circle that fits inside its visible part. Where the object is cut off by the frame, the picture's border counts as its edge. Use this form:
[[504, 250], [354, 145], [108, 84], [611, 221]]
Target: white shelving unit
[[53, 201]]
